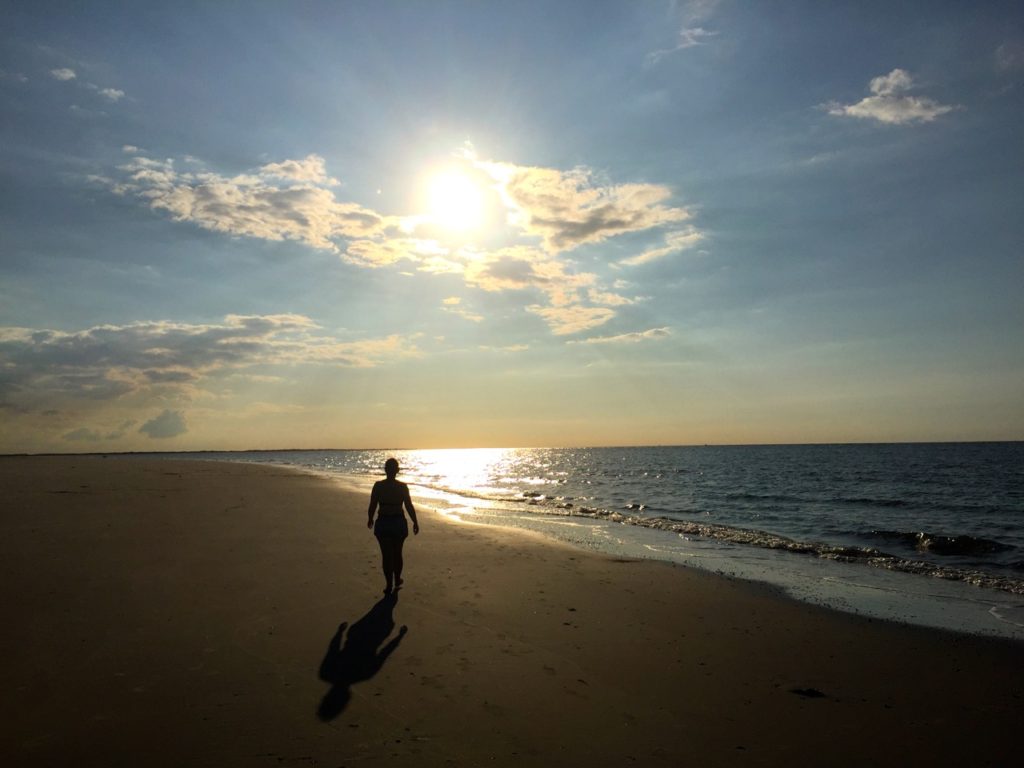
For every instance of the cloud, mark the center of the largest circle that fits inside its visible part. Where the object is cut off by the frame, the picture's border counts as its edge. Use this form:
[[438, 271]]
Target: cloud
[[111, 94], [295, 200], [310, 169], [63, 74], [689, 37], [675, 242], [691, 34], [281, 201], [453, 304], [167, 424], [572, 319], [627, 338], [890, 104], [522, 267], [130, 149], [567, 209], [380, 253], [87, 434], [166, 360], [607, 298]]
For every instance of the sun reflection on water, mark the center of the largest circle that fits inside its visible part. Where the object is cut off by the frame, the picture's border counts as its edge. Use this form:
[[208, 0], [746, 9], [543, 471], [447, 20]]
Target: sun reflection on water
[[474, 469]]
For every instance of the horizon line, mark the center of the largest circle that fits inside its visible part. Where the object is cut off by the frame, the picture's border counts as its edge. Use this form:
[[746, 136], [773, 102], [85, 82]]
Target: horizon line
[[505, 448]]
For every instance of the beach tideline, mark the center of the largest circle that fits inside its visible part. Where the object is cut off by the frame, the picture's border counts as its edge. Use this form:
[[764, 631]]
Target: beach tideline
[[177, 613]]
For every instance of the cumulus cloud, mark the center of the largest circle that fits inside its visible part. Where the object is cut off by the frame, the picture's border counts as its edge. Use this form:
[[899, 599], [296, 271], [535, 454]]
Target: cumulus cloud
[[567, 209], [311, 168], [63, 74], [889, 102], [553, 210], [280, 201], [675, 242], [163, 359], [627, 338], [167, 424]]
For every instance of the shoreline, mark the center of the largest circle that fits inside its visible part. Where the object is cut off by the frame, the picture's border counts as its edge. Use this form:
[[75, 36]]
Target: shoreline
[[854, 588], [187, 612]]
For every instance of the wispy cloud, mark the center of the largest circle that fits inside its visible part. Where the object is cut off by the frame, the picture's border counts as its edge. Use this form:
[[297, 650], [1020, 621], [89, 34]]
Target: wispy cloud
[[889, 102], [453, 305], [692, 33], [627, 338], [63, 73], [569, 319], [675, 242], [689, 37], [381, 253]]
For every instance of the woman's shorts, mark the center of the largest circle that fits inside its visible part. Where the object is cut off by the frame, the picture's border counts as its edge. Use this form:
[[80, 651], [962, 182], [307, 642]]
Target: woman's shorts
[[391, 527]]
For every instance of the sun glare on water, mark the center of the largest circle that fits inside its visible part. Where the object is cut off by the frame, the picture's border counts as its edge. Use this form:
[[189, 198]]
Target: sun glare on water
[[455, 201]]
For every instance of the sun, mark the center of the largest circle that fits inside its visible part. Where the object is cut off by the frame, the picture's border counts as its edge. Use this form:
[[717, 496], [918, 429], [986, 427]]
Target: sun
[[455, 201]]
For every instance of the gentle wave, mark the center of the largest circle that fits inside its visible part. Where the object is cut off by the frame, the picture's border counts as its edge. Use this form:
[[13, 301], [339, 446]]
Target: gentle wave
[[865, 555], [540, 503], [938, 544]]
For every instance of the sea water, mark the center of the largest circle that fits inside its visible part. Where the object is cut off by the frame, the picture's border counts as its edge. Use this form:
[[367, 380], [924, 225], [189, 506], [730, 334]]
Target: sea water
[[930, 533]]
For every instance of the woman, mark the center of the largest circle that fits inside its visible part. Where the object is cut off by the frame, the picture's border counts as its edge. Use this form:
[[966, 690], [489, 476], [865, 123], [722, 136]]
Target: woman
[[391, 529]]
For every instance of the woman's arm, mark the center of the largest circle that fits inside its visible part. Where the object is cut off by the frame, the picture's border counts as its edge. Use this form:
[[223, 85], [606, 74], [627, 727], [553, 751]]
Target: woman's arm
[[411, 510], [373, 507]]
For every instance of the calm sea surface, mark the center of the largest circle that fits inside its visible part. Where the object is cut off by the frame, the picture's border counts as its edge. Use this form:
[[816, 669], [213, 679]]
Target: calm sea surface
[[928, 533]]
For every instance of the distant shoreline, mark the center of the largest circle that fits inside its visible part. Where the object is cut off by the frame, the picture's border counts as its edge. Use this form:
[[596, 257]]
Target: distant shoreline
[[202, 451]]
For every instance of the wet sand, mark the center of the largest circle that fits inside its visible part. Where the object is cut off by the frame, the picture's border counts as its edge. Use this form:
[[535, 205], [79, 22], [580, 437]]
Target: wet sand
[[176, 613]]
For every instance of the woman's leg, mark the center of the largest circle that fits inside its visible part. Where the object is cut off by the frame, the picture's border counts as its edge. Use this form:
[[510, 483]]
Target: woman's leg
[[397, 561], [387, 557]]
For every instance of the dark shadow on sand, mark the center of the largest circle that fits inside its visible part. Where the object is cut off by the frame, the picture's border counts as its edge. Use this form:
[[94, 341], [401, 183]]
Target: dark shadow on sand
[[360, 658]]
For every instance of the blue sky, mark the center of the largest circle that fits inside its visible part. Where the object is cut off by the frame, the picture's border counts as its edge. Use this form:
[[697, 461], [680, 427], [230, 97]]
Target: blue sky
[[258, 225]]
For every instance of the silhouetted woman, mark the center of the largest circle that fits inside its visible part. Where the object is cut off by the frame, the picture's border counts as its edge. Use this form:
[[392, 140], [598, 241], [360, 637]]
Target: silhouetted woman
[[391, 529]]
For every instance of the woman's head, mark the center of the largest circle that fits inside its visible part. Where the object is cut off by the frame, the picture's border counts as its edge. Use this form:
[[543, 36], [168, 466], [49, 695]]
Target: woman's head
[[391, 467]]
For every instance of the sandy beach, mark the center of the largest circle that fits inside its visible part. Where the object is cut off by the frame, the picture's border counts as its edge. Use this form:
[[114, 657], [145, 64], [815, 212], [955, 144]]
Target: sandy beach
[[176, 613]]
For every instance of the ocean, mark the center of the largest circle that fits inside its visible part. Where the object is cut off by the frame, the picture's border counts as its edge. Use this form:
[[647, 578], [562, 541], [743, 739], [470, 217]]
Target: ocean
[[925, 533]]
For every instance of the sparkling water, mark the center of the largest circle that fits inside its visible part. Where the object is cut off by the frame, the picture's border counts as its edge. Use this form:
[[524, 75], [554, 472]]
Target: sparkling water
[[928, 533]]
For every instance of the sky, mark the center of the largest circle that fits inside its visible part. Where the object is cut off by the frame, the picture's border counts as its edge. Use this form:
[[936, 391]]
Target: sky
[[260, 225]]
